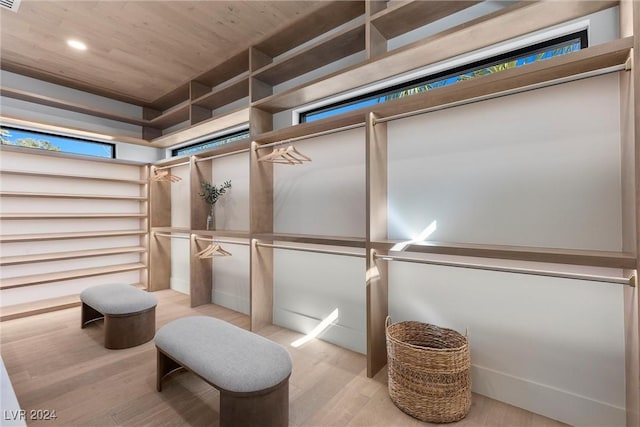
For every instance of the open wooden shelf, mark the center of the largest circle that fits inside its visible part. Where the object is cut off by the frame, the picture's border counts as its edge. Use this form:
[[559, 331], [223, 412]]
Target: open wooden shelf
[[309, 129], [36, 279], [71, 176], [352, 242], [18, 216], [57, 256], [69, 106], [520, 253], [171, 117], [70, 196], [178, 230], [224, 94], [340, 45], [205, 127], [329, 16], [171, 99], [10, 238], [401, 17], [228, 69], [235, 234], [38, 307], [232, 147]]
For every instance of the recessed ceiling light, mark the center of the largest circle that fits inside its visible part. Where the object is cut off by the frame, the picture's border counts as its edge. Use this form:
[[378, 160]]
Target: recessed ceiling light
[[77, 44]]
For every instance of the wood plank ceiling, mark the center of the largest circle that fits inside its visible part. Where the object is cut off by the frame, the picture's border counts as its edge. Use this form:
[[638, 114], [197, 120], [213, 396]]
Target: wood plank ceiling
[[137, 50]]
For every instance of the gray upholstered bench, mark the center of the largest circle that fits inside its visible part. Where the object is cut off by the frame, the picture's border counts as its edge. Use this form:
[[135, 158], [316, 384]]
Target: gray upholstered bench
[[251, 372], [129, 313]]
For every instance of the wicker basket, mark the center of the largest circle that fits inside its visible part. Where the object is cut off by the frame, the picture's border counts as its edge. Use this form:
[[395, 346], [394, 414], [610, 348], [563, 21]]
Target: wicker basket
[[429, 371]]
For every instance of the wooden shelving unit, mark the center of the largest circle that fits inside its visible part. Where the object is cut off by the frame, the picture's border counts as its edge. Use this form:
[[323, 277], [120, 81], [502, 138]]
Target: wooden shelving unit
[[470, 36], [552, 71], [128, 226], [220, 86], [334, 32]]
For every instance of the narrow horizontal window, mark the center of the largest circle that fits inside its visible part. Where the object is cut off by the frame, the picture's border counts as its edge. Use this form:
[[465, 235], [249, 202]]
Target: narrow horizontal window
[[211, 143], [49, 142], [514, 59]]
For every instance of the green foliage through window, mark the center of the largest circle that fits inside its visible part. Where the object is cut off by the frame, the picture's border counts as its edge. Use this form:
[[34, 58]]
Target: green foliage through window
[[521, 57], [47, 142], [212, 143]]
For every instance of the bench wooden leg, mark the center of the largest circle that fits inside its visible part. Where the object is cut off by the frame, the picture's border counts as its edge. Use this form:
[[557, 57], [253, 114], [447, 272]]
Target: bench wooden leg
[[129, 330], [89, 314], [270, 409], [165, 366]]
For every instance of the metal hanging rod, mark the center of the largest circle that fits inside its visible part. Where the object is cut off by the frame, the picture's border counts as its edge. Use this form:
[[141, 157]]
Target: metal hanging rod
[[171, 166], [630, 281], [172, 236], [230, 242], [246, 150], [311, 135], [528, 88], [319, 251]]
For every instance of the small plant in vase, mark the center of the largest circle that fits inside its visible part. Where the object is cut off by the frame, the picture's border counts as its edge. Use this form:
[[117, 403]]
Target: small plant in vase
[[210, 194]]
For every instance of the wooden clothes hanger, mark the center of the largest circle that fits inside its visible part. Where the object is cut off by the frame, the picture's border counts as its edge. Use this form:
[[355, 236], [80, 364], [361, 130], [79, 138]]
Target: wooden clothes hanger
[[288, 156], [164, 176], [212, 251]]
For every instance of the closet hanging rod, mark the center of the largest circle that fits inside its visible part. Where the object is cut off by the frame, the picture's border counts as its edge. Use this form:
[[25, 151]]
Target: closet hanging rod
[[171, 166], [319, 251], [581, 76], [311, 135], [230, 242], [217, 156], [629, 281], [172, 236]]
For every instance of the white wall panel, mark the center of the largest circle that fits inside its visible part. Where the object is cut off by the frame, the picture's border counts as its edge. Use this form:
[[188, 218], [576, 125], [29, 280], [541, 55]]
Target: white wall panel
[[232, 209], [181, 198], [231, 280], [540, 168], [325, 196], [309, 287], [180, 265]]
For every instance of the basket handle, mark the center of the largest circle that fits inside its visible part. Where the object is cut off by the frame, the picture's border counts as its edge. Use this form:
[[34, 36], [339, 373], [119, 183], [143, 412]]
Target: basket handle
[[387, 322]]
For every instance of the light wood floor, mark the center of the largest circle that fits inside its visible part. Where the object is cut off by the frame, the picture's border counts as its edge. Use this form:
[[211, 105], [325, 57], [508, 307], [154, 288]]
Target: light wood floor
[[55, 365]]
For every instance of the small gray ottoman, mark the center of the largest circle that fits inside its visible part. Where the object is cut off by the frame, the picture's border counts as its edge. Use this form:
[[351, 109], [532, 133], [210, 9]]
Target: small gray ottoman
[[129, 313], [251, 372]]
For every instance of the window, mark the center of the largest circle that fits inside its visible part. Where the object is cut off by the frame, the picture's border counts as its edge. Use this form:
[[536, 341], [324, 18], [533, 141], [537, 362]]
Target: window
[[215, 142], [514, 59], [49, 142]]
